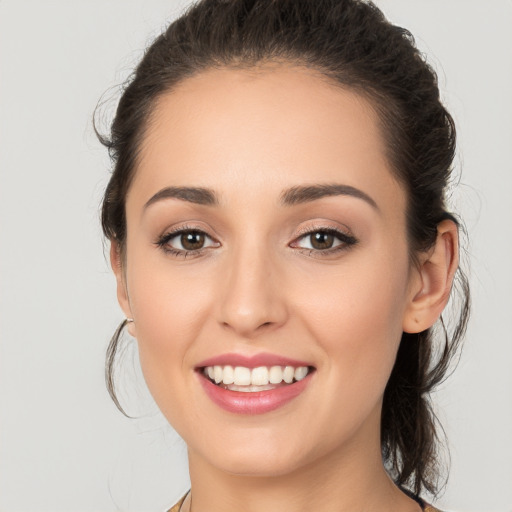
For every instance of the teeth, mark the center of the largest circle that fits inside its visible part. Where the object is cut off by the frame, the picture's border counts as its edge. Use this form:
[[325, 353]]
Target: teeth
[[250, 389], [275, 375], [228, 375], [300, 372], [242, 376], [261, 376], [288, 374]]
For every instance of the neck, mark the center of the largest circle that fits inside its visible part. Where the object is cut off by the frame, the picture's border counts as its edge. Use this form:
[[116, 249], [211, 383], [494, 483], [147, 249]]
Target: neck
[[339, 482]]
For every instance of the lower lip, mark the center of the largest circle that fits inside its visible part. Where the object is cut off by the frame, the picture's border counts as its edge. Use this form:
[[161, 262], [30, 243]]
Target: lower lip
[[258, 402]]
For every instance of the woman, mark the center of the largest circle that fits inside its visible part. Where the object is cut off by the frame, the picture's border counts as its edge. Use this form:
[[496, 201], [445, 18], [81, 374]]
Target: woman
[[283, 251]]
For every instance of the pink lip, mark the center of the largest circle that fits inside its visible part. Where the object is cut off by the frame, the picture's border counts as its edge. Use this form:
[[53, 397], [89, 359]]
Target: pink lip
[[263, 359], [253, 403]]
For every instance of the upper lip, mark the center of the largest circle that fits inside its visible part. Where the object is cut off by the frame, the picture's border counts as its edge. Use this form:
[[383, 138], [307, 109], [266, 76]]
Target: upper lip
[[253, 361]]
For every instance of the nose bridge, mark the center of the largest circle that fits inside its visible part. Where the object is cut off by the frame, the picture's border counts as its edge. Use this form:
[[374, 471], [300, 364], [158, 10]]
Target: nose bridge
[[253, 300]]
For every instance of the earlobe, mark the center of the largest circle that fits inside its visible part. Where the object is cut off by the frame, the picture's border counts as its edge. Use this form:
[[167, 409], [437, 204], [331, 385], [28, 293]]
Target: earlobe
[[122, 291], [436, 273]]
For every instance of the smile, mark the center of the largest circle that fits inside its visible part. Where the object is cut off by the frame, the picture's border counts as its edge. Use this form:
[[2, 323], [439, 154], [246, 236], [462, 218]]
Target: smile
[[253, 385], [251, 380]]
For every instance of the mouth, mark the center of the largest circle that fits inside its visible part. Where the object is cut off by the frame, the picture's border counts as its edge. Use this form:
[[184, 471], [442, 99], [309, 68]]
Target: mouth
[[253, 389], [253, 380]]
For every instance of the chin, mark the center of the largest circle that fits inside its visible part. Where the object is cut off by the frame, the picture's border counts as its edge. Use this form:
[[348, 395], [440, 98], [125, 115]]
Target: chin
[[254, 466], [258, 456]]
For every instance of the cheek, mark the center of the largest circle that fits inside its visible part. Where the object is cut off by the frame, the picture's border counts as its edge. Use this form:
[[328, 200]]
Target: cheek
[[356, 317], [170, 310]]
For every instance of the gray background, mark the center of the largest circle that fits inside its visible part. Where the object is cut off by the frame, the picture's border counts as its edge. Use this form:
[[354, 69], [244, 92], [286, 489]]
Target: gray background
[[63, 445]]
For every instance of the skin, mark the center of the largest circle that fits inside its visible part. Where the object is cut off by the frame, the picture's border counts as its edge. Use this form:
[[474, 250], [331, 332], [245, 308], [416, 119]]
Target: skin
[[256, 287]]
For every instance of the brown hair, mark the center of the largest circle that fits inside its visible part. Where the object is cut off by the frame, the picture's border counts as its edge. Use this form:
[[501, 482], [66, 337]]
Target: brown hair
[[351, 43]]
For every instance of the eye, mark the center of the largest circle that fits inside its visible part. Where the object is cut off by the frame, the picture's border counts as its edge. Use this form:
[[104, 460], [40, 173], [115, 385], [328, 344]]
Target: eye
[[190, 240], [325, 240], [185, 241], [321, 240]]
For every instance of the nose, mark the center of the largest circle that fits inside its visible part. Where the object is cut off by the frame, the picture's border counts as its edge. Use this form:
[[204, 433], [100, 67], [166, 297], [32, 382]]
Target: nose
[[252, 300]]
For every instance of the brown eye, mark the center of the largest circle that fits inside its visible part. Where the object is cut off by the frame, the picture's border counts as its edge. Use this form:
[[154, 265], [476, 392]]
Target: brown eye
[[321, 240], [325, 241], [192, 240], [186, 241]]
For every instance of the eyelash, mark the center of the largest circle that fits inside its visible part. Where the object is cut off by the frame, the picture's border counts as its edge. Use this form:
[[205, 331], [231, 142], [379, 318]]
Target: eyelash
[[346, 241], [179, 253]]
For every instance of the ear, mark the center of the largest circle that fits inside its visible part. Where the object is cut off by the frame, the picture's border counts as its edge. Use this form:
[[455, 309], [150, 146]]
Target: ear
[[122, 290], [431, 287]]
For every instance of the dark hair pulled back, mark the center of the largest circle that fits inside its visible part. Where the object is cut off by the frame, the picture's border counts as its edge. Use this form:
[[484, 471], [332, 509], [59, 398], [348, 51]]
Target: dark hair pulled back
[[351, 43]]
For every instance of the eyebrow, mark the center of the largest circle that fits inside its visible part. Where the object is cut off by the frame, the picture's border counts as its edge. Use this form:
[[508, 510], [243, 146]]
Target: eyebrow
[[197, 195], [292, 196], [307, 193]]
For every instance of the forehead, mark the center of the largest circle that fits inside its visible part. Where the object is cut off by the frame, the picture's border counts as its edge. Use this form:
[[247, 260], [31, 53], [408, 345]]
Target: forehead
[[263, 129]]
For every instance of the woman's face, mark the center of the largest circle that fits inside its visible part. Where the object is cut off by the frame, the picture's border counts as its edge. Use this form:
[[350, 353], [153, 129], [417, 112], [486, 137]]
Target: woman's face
[[265, 229]]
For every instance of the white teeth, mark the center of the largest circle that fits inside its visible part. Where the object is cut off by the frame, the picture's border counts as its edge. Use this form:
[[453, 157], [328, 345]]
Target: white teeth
[[300, 372], [261, 376], [228, 375], [288, 374], [242, 376], [275, 375], [250, 389]]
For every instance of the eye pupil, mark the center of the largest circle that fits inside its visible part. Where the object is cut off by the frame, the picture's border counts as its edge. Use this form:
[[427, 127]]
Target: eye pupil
[[322, 240], [192, 240]]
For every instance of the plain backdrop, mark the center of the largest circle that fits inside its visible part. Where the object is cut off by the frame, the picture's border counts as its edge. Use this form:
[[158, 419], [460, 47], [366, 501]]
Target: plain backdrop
[[63, 445]]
